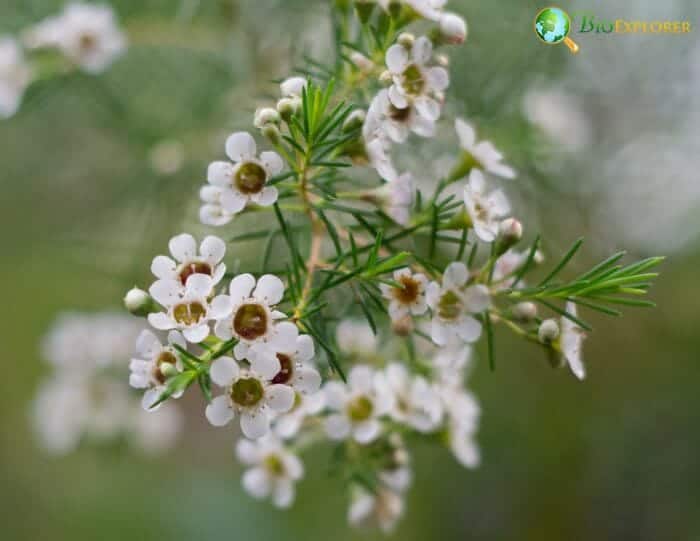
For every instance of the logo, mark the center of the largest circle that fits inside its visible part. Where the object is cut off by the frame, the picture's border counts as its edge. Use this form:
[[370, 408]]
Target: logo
[[552, 26]]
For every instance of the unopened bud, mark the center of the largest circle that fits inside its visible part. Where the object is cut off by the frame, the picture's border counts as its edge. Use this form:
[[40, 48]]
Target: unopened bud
[[548, 331], [265, 116], [293, 87], [139, 303], [442, 60], [406, 40], [453, 28], [272, 133], [539, 257], [168, 370], [510, 233], [361, 62], [286, 107], [525, 311], [386, 78], [403, 326], [354, 120]]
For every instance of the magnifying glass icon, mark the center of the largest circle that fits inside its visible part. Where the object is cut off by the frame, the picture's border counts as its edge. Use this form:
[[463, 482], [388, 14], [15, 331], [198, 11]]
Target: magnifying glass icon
[[552, 26]]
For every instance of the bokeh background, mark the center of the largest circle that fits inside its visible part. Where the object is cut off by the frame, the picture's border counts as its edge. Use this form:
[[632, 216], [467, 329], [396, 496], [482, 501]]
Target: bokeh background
[[97, 173]]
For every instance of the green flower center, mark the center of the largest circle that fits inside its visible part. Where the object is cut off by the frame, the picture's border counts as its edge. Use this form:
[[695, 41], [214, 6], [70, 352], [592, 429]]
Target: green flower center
[[247, 392], [409, 292], [286, 369], [449, 306], [274, 465], [360, 409], [412, 80], [250, 178], [189, 313], [164, 357], [250, 321], [196, 267]]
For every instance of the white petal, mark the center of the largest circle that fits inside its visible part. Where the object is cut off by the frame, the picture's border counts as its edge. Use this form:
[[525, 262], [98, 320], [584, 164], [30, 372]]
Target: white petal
[[264, 364], [221, 307], [269, 290], [361, 379], [198, 285], [255, 425], [499, 204], [214, 215], [468, 329], [183, 247], [477, 298], [241, 146], [502, 170], [219, 174], [219, 412], [305, 347], [224, 371], [280, 397], [398, 100], [422, 126], [240, 350], [465, 133], [224, 329], [175, 337], [438, 78], [256, 482], [428, 108], [439, 333], [163, 267], [367, 432], [337, 427], [150, 397], [335, 394], [272, 162], [241, 286], [148, 345], [307, 380], [233, 201], [283, 494], [422, 50], [247, 452], [285, 336], [197, 334], [456, 275], [268, 196], [166, 292], [213, 249], [161, 321], [396, 58]]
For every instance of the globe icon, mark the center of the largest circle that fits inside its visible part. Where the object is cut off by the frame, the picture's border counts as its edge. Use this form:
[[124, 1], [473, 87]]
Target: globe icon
[[552, 26]]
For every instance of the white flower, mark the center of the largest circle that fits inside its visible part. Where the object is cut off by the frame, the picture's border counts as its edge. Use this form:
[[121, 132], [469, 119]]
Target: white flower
[[414, 401], [248, 315], [87, 34], [248, 391], [296, 368], [397, 123], [287, 425], [463, 414], [155, 364], [244, 181], [481, 155], [428, 9], [187, 309], [452, 362], [453, 303], [453, 28], [355, 338], [383, 508], [416, 83], [486, 210], [188, 261], [273, 470], [212, 213], [408, 299], [571, 343], [293, 87], [15, 76], [357, 406], [377, 150], [397, 197]]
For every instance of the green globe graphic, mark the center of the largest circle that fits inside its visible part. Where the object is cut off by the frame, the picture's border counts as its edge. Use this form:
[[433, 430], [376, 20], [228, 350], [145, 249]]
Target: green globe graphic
[[552, 25]]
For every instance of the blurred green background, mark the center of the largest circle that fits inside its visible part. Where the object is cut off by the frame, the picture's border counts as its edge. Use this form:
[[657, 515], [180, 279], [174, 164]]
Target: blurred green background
[[83, 209]]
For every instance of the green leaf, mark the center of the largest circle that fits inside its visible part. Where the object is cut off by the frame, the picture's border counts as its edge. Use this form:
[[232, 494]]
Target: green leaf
[[567, 257]]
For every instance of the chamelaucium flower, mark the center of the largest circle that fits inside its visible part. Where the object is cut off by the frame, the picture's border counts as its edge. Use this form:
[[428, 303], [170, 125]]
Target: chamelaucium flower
[[352, 323]]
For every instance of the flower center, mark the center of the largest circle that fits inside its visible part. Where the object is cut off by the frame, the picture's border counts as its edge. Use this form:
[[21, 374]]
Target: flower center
[[399, 115], [412, 80], [274, 465], [250, 178], [189, 313], [286, 369], [449, 305], [247, 392], [482, 213], [409, 292], [195, 267], [250, 321], [360, 409], [87, 42], [164, 357]]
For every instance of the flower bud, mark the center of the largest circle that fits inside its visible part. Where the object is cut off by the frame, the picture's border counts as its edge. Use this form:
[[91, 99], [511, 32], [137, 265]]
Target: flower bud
[[453, 28], [354, 120], [510, 233], [139, 303], [548, 331], [265, 116], [361, 62], [403, 326], [442, 60], [286, 107], [386, 79], [168, 370], [524, 311], [406, 40], [293, 86], [272, 133]]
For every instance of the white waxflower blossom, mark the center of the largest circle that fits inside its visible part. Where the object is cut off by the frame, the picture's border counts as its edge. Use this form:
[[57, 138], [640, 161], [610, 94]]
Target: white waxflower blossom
[[356, 406], [396, 198], [287, 425], [377, 150], [463, 414], [187, 260], [87, 34], [482, 155], [248, 314], [154, 432], [414, 401], [15, 76], [452, 362], [416, 83], [155, 364], [409, 298], [296, 368], [245, 180], [273, 470], [248, 392], [571, 343], [486, 210], [453, 304], [212, 212], [186, 309], [398, 123], [383, 508], [355, 338], [293, 87]]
